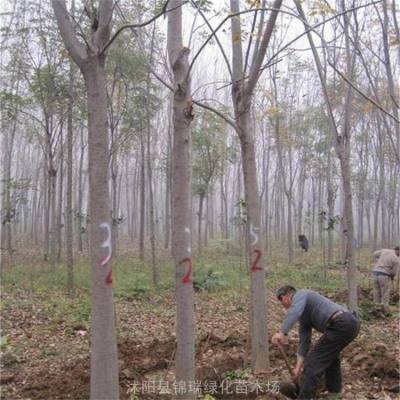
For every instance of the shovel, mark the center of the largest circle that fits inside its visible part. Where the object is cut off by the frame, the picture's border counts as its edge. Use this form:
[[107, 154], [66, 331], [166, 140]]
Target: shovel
[[294, 378]]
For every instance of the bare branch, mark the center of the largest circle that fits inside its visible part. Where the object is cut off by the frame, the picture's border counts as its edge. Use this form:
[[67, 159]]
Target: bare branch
[[232, 15], [105, 15], [253, 27], [255, 68], [216, 37], [361, 93], [160, 79], [77, 51], [332, 65], [259, 35], [134, 26], [228, 120]]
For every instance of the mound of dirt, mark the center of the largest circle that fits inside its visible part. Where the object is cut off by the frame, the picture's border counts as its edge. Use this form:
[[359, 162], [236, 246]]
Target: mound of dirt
[[157, 355], [363, 294], [378, 363], [135, 361], [71, 382]]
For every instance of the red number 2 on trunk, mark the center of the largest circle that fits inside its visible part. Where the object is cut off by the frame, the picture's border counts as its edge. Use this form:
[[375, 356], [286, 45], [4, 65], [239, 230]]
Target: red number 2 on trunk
[[254, 266], [187, 277]]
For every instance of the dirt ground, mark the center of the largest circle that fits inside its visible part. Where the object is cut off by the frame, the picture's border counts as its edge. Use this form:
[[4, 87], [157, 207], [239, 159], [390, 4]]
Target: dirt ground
[[48, 357]]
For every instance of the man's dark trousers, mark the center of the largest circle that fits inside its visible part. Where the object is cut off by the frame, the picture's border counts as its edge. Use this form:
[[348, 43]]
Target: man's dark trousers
[[324, 355]]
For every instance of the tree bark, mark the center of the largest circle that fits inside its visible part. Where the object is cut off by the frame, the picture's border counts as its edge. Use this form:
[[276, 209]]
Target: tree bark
[[104, 363], [342, 147], [287, 188], [181, 203], [6, 206], [114, 194], [199, 224], [46, 210], [104, 366], [394, 95], [242, 94], [79, 216], [69, 235], [142, 205], [331, 208], [154, 267], [59, 224]]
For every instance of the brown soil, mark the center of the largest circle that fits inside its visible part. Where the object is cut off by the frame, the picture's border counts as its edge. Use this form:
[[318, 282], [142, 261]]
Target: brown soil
[[48, 364]]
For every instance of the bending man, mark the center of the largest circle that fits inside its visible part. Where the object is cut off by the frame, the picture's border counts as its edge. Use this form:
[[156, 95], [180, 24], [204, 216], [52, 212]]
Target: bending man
[[387, 264], [339, 328]]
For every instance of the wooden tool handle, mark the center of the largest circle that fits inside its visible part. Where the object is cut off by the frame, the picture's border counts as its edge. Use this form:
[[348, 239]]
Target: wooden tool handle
[[283, 353]]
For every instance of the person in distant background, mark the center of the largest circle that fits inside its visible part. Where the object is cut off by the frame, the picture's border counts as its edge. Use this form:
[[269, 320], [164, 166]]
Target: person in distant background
[[303, 242], [387, 265]]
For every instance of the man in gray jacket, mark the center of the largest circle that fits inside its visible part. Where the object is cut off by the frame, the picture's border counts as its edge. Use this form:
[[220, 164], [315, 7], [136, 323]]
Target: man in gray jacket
[[339, 328]]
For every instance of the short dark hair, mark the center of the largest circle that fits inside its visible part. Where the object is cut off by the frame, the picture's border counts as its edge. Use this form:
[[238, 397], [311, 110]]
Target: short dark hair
[[397, 248], [284, 290]]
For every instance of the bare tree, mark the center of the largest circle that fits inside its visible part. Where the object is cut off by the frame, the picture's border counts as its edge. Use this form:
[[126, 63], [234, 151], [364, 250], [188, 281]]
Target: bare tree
[[242, 95], [342, 141], [91, 60], [181, 197], [69, 235]]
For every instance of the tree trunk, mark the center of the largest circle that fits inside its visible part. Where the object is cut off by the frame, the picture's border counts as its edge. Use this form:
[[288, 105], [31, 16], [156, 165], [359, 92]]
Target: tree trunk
[[127, 172], [266, 197], [142, 204], [53, 213], [368, 215], [104, 363], [242, 93], [226, 214], [221, 202], [114, 190], [60, 204], [259, 338], [313, 210], [207, 221], [349, 232], [154, 267], [181, 203], [167, 201], [69, 235], [331, 208], [342, 147], [35, 206], [168, 177], [210, 219], [79, 217], [200, 216], [135, 196], [6, 206], [287, 188], [301, 200], [394, 94], [46, 209], [52, 174]]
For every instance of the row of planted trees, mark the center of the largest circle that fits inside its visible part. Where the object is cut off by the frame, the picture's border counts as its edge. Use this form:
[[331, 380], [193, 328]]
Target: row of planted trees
[[111, 147], [41, 215]]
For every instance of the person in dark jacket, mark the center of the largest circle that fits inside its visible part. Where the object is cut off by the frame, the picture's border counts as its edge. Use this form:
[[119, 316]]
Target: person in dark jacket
[[303, 242], [339, 327]]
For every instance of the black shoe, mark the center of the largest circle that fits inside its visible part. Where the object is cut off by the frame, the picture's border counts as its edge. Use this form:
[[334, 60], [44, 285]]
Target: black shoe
[[289, 389]]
